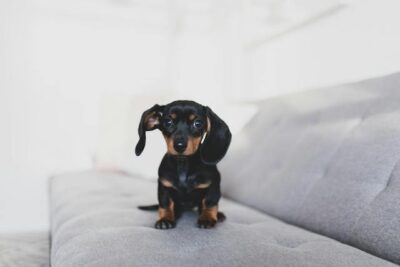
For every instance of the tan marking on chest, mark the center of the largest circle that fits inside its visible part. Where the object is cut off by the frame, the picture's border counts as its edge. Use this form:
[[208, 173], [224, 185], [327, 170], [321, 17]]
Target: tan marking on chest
[[203, 185], [167, 183]]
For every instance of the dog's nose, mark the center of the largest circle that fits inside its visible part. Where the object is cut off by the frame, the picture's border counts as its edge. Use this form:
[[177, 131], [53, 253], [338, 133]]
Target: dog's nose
[[180, 146]]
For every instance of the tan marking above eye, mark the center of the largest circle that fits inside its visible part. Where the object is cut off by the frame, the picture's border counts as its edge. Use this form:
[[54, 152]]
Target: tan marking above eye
[[192, 117], [173, 115]]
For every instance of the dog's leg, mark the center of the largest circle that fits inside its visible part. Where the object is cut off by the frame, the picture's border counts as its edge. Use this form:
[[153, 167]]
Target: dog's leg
[[166, 208], [208, 217], [209, 208], [178, 209]]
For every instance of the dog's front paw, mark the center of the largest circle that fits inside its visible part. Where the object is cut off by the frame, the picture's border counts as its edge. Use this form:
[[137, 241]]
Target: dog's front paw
[[206, 223], [165, 224]]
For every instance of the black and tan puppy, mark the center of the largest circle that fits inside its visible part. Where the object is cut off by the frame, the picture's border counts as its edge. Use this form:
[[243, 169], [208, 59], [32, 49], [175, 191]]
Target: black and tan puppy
[[197, 139]]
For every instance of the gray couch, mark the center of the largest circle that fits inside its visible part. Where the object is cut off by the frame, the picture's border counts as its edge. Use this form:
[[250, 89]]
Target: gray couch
[[312, 180]]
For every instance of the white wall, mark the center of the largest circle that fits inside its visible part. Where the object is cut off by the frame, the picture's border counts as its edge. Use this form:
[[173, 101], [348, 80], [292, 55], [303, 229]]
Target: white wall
[[360, 41], [57, 61], [347, 41]]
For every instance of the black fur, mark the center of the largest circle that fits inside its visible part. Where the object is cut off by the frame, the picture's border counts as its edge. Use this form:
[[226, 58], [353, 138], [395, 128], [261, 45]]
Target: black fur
[[217, 140], [187, 180]]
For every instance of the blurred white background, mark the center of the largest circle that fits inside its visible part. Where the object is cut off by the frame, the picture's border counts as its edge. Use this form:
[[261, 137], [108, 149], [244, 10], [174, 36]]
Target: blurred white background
[[65, 65]]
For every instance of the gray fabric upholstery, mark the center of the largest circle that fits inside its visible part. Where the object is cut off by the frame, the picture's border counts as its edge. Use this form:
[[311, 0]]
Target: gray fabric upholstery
[[95, 222], [25, 249], [326, 160]]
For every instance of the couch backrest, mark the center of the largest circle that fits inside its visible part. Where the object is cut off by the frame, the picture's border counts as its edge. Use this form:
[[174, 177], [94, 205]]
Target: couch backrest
[[326, 160]]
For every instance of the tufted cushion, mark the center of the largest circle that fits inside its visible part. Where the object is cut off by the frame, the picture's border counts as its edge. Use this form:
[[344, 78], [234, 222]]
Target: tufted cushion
[[326, 160], [25, 249], [95, 222]]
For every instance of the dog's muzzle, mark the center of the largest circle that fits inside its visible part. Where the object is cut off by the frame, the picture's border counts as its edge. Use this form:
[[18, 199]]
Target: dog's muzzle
[[180, 145]]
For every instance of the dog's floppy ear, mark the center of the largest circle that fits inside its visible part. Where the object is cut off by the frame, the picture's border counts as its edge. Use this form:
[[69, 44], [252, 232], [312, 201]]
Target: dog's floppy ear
[[150, 120], [217, 139]]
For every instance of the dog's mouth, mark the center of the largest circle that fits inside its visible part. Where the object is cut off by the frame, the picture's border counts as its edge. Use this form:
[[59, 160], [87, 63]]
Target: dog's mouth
[[182, 153]]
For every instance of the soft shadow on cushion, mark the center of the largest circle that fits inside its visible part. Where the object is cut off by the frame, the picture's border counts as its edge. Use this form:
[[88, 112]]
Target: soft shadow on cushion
[[326, 160]]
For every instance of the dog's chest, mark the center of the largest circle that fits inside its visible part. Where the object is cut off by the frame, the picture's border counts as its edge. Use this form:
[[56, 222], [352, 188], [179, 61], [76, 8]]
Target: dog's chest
[[183, 177], [182, 170]]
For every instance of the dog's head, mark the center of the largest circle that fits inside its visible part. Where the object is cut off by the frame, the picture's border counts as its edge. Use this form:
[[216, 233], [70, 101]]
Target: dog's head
[[184, 124]]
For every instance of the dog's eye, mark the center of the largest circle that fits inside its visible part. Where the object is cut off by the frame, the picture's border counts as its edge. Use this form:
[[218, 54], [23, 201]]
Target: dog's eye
[[198, 124], [168, 123]]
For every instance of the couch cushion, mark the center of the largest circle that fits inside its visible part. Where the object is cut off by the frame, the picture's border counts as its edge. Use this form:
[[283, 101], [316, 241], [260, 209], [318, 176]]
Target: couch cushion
[[326, 160], [25, 249], [95, 222]]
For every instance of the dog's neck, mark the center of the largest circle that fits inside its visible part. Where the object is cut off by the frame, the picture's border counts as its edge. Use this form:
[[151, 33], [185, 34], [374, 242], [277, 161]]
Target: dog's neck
[[182, 169]]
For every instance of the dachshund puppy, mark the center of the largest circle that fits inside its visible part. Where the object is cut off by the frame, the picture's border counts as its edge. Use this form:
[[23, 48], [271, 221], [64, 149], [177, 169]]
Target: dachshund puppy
[[197, 139]]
